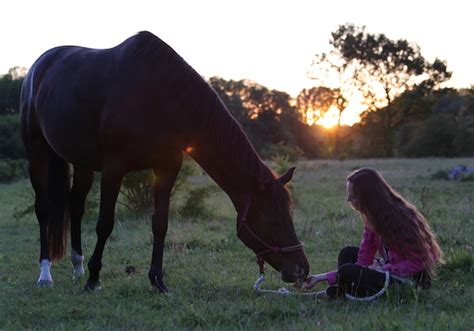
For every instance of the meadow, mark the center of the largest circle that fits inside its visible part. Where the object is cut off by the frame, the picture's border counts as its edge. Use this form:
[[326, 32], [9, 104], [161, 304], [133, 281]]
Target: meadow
[[210, 272]]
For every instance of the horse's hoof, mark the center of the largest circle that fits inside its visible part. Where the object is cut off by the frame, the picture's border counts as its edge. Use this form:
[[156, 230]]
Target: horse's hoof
[[159, 285], [78, 274], [45, 283], [92, 286]]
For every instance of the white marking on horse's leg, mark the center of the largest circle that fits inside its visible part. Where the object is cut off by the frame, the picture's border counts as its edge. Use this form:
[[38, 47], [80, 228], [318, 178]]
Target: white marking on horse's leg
[[77, 263], [45, 279]]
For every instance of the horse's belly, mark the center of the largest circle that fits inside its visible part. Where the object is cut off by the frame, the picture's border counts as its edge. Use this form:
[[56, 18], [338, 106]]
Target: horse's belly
[[85, 154], [75, 141]]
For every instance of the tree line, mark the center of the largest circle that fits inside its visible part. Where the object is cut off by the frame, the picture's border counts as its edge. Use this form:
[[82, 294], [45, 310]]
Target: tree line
[[408, 111]]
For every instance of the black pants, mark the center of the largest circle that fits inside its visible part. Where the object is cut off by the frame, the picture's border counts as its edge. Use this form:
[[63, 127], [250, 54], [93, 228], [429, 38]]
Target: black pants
[[357, 280]]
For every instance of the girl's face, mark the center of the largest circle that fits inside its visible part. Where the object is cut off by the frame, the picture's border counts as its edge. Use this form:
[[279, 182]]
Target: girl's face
[[351, 196]]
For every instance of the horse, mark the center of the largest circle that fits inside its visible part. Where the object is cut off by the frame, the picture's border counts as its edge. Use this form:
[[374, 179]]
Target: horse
[[140, 105]]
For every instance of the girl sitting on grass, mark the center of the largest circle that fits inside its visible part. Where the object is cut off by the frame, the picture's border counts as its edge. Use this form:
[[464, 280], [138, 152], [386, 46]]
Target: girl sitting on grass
[[392, 227]]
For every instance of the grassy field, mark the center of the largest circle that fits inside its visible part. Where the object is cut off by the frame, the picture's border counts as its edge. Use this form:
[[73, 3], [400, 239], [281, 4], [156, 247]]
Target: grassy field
[[210, 273]]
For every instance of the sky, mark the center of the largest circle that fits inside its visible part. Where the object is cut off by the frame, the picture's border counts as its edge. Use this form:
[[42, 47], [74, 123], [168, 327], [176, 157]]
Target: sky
[[270, 42]]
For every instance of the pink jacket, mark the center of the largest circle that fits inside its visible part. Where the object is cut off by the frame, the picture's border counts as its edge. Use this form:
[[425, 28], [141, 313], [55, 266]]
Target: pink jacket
[[399, 265]]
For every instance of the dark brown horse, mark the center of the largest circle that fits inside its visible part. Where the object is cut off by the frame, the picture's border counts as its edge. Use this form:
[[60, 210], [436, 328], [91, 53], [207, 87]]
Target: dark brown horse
[[138, 106]]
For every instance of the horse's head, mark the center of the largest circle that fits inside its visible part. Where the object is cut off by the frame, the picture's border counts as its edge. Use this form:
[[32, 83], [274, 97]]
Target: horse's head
[[265, 225]]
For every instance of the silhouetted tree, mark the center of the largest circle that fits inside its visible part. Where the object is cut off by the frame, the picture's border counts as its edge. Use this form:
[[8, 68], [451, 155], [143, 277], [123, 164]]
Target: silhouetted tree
[[384, 69], [10, 89], [313, 103], [448, 130], [334, 71], [266, 115]]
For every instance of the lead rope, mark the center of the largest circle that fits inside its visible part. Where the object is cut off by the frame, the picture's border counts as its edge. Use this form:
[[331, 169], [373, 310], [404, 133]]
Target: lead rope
[[282, 290], [285, 291], [376, 295]]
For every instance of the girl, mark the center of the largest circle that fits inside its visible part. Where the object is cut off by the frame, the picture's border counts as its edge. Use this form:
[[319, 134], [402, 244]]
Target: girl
[[392, 227]]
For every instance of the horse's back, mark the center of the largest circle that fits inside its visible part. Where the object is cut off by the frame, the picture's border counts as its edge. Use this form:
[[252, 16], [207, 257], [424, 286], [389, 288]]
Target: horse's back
[[128, 99]]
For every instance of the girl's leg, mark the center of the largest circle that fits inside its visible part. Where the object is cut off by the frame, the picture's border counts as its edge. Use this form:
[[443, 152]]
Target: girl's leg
[[360, 281], [347, 255]]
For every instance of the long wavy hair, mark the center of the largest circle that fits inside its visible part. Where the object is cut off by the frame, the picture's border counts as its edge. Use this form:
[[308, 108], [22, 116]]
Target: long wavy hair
[[398, 223]]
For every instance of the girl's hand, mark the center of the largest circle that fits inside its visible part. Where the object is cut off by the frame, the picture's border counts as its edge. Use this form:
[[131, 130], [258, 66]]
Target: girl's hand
[[376, 266], [311, 281]]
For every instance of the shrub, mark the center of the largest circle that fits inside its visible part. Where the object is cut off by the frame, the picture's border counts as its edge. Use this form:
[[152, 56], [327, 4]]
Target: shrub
[[137, 191], [440, 174], [467, 178], [292, 152], [281, 163], [12, 170], [194, 206], [137, 187], [11, 145], [25, 205]]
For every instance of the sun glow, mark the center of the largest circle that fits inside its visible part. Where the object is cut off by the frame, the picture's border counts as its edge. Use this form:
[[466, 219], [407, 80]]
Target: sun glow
[[350, 115]]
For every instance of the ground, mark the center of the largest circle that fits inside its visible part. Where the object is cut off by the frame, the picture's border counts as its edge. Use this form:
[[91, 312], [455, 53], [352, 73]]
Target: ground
[[210, 273]]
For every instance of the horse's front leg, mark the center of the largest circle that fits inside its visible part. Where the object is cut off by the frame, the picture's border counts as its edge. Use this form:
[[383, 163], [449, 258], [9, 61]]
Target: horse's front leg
[[165, 178], [111, 180]]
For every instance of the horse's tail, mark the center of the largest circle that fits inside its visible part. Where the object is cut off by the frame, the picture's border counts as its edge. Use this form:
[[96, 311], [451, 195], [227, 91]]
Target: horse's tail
[[58, 197]]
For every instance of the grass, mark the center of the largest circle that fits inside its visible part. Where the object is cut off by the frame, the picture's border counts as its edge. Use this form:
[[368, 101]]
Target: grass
[[210, 272]]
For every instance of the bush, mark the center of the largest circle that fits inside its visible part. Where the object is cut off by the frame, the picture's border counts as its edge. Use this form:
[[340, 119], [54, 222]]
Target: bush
[[11, 145], [137, 187], [12, 170], [292, 152], [25, 205], [195, 206], [281, 163], [467, 178], [440, 174], [137, 191]]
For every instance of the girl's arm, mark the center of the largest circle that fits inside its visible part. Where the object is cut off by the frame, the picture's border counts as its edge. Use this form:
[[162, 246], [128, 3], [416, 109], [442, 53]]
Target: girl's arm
[[312, 280], [367, 248], [404, 268]]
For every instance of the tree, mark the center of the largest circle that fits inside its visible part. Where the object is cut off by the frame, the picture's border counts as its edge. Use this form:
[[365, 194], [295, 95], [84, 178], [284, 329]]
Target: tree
[[448, 129], [383, 70], [337, 73], [313, 103], [266, 115], [10, 88]]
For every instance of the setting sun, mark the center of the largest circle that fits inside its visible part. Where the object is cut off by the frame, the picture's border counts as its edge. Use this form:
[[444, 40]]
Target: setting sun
[[350, 115]]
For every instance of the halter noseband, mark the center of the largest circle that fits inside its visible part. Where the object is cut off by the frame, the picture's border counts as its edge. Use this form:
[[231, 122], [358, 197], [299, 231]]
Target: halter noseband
[[268, 248]]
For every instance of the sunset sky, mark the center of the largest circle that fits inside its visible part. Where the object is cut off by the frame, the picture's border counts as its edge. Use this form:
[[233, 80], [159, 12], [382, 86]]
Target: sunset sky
[[270, 42]]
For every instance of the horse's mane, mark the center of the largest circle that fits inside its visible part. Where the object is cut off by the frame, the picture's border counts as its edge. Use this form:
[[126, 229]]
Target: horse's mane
[[230, 144]]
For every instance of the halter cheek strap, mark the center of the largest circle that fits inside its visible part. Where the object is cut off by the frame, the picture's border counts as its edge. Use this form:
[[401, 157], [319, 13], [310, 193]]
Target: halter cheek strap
[[243, 224]]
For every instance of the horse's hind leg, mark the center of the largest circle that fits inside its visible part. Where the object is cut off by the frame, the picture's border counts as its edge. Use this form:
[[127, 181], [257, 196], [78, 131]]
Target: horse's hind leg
[[82, 183], [38, 170], [165, 177]]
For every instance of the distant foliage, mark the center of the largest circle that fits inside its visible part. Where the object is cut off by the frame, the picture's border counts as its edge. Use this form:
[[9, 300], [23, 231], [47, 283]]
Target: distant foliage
[[447, 131], [440, 174], [10, 88], [12, 170], [11, 145]]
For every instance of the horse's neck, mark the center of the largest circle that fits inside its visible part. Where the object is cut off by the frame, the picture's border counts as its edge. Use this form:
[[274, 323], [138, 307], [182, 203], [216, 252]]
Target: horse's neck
[[226, 154]]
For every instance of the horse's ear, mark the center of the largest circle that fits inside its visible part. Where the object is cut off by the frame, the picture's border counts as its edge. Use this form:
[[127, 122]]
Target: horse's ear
[[287, 176]]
